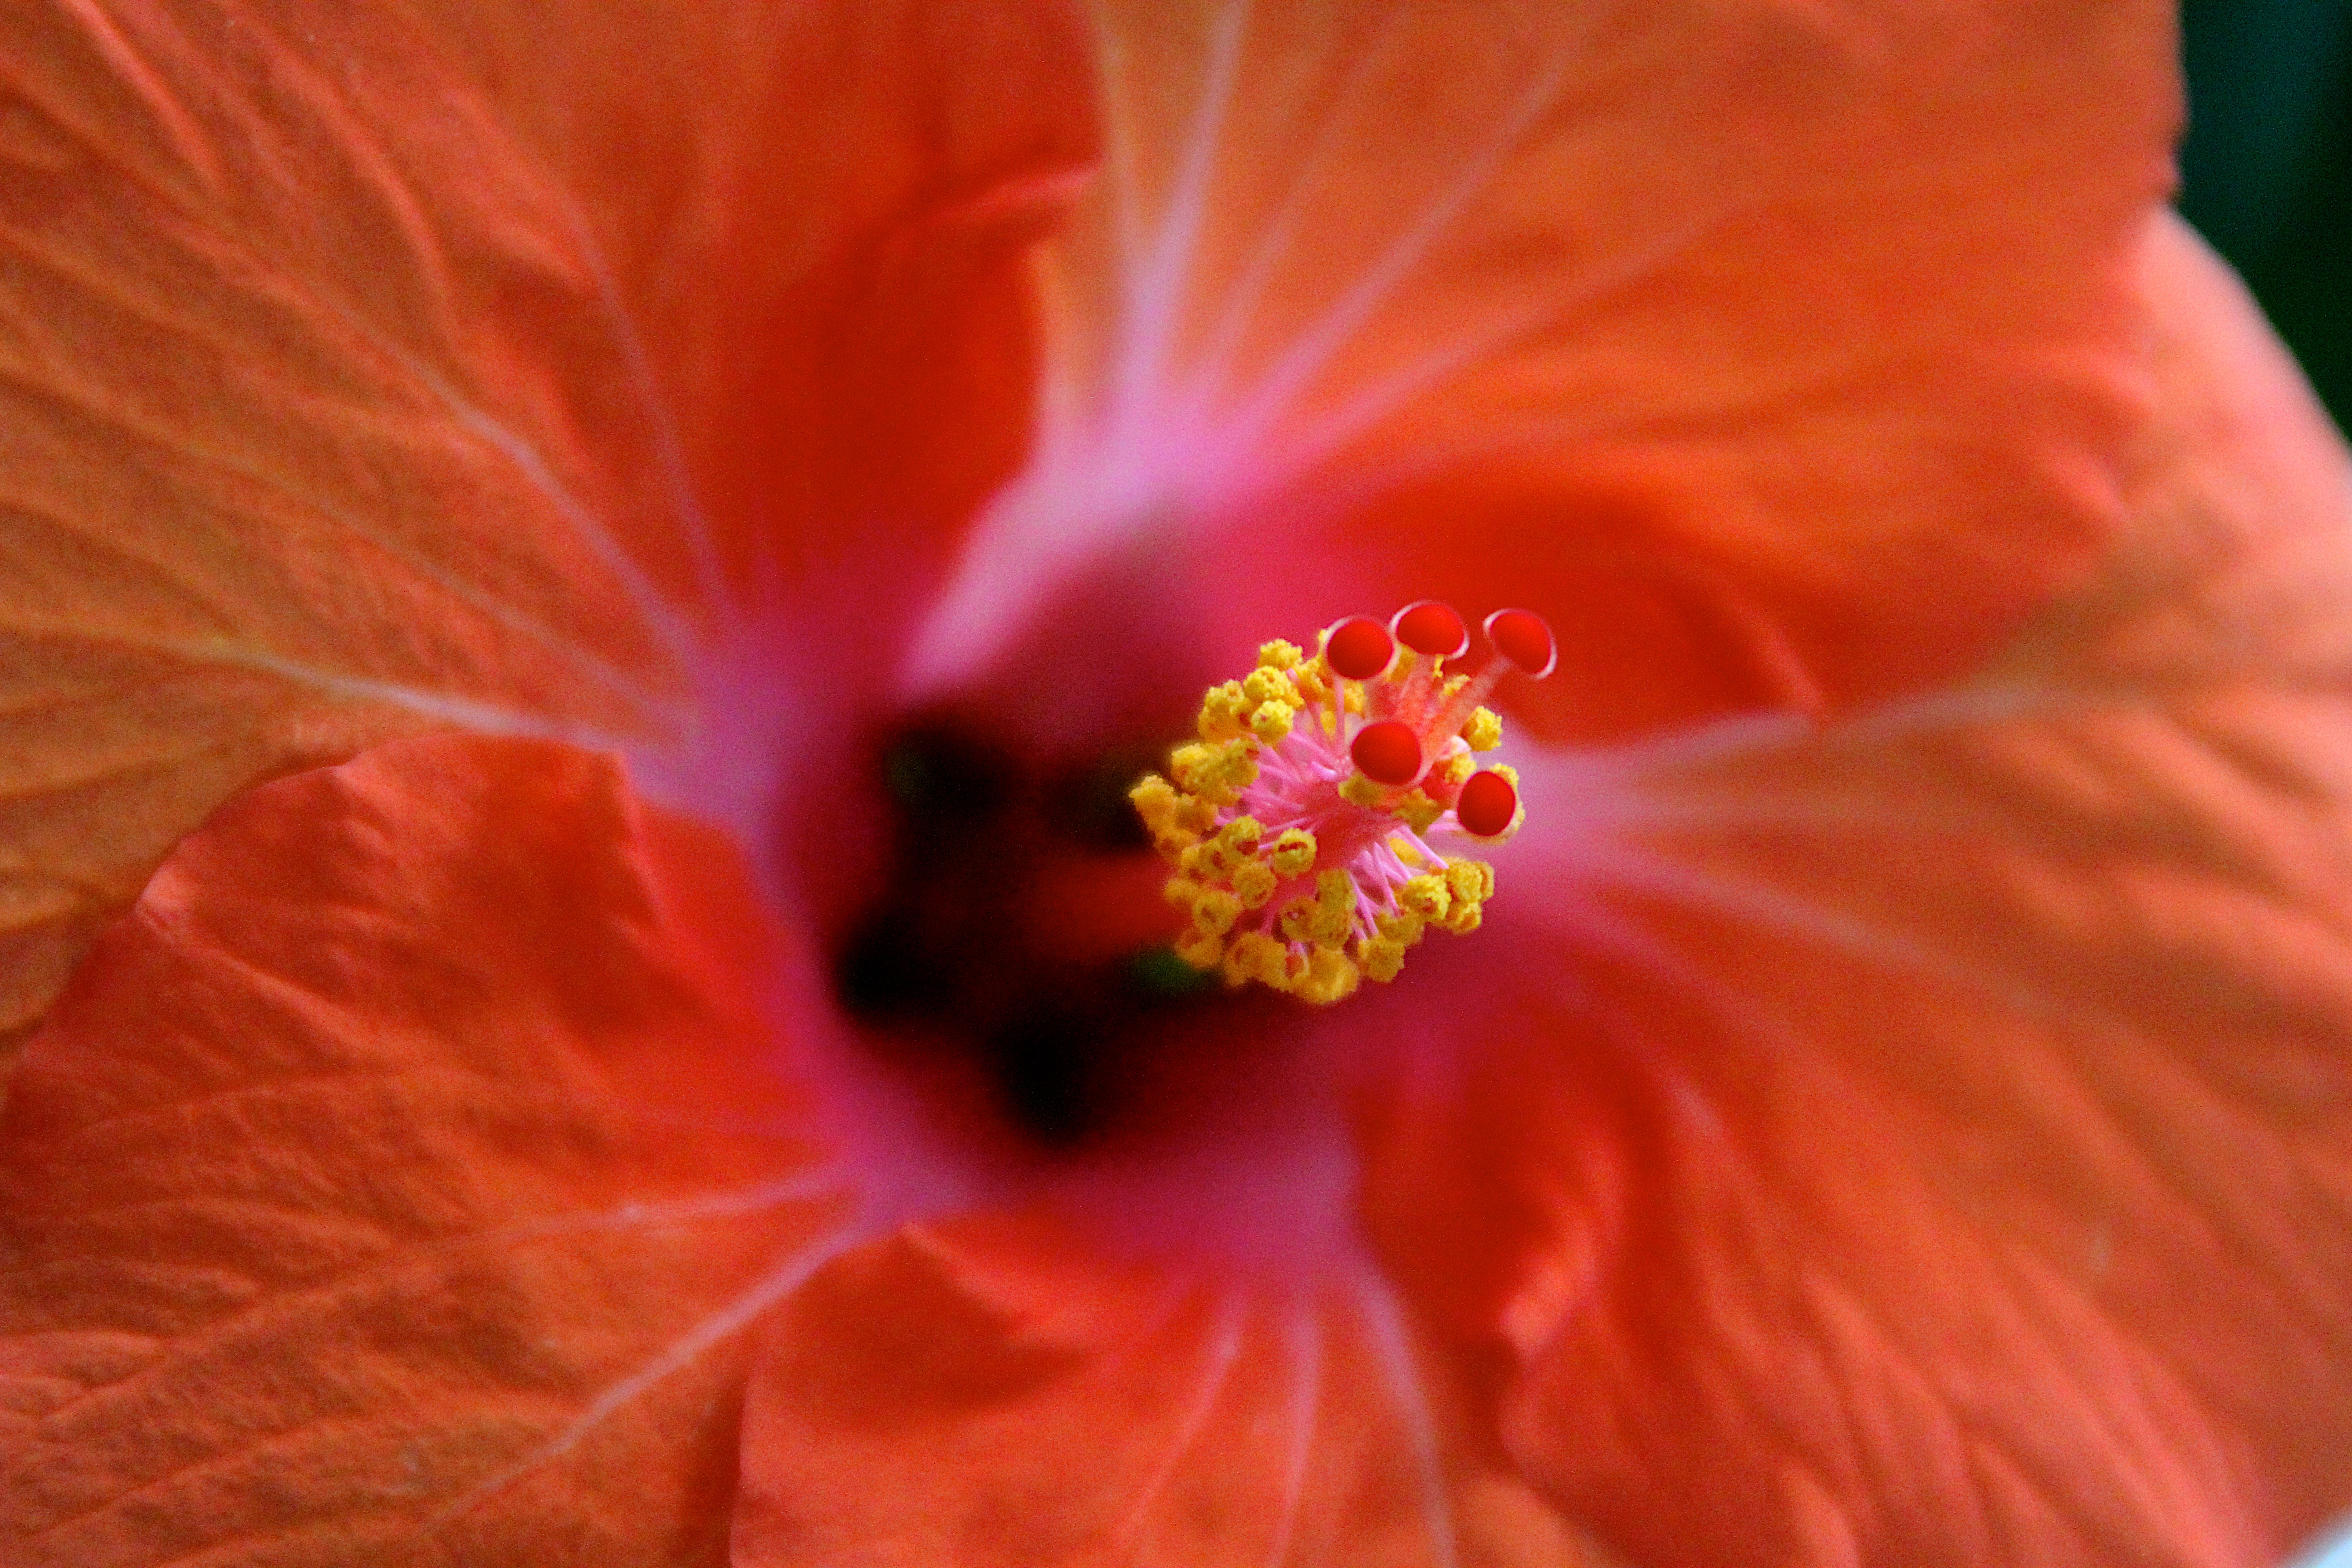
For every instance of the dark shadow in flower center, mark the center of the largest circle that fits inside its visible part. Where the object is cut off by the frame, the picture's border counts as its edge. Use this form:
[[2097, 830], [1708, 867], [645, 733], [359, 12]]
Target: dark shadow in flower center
[[1017, 951]]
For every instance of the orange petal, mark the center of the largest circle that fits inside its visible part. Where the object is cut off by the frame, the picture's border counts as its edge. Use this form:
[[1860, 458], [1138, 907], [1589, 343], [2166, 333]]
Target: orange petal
[[817, 216], [361, 371], [1805, 329], [390, 1130], [986, 1396], [1948, 1156]]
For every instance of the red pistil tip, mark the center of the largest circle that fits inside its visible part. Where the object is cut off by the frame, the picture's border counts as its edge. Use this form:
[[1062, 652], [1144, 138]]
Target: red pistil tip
[[1308, 827], [1427, 626], [1359, 649], [1525, 638], [1487, 803], [1387, 753]]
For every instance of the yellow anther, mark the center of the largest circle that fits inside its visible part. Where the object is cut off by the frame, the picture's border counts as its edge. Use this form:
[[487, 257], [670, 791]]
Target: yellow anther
[[1253, 882], [1419, 811], [1167, 816], [1215, 911], [1335, 905], [1216, 773], [1312, 683], [1272, 722], [1206, 861], [1268, 686], [1471, 883], [1240, 836], [1154, 797], [1221, 711], [1427, 896], [1293, 854], [1454, 769], [1354, 701], [1296, 920], [1200, 948], [1254, 956], [1485, 730], [1331, 976], [1471, 879], [1181, 892], [1403, 928], [1279, 655], [1382, 958], [1358, 790]]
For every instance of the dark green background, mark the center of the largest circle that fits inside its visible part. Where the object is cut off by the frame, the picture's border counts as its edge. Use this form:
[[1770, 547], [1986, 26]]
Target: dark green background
[[2267, 170]]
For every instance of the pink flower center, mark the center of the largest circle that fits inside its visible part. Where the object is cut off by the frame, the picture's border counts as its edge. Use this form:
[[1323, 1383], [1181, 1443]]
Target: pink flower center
[[1308, 824]]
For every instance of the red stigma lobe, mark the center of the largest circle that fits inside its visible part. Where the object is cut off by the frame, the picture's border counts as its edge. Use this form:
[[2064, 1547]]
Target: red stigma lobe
[[1523, 637], [1387, 753], [1486, 804], [1432, 628], [1359, 649]]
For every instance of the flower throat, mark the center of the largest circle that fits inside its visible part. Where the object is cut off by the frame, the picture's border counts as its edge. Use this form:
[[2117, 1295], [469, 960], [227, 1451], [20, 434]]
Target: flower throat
[[1015, 964]]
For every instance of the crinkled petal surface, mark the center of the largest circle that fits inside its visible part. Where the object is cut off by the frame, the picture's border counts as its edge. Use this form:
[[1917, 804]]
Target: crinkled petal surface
[[349, 383], [1948, 1159], [992, 1396], [1698, 326], [392, 1128], [1915, 1141]]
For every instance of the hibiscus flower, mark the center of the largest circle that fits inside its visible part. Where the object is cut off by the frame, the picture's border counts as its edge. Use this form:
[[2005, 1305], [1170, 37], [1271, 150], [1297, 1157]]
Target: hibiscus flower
[[583, 587]]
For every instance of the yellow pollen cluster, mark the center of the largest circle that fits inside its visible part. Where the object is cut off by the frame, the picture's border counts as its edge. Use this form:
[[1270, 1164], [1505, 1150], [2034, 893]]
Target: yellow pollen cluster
[[1263, 900]]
